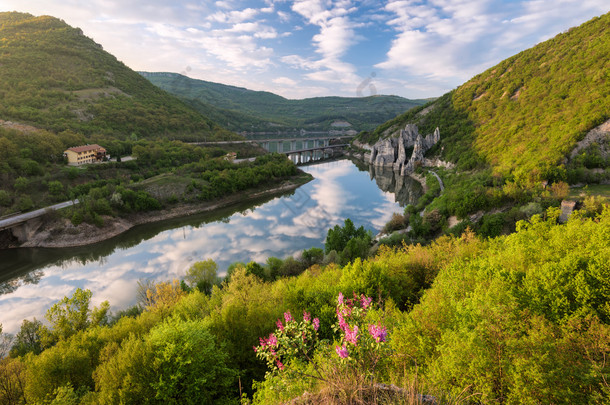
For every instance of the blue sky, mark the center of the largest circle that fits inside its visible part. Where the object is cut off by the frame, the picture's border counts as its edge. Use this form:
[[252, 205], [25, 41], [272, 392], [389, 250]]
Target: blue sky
[[306, 48]]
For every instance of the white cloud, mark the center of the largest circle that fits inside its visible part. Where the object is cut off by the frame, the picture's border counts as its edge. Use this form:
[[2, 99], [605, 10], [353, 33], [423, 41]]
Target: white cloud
[[445, 42], [336, 36], [284, 80]]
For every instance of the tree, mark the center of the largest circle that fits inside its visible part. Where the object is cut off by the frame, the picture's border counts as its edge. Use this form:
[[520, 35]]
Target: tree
[[56, 188], [178, 362], [21, 184], [202, 275], [337, 237], [27, 339], [70, 315], [256, 270]]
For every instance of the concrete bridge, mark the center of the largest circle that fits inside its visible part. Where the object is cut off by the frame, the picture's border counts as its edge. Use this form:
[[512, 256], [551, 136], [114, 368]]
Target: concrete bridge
[[266, 143], [331, 149]]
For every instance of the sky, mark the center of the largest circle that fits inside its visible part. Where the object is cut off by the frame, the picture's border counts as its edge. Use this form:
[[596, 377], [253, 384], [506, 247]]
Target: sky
[[308, 48]]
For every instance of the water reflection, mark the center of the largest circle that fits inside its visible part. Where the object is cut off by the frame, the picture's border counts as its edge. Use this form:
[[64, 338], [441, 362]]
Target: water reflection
[[33, 279]]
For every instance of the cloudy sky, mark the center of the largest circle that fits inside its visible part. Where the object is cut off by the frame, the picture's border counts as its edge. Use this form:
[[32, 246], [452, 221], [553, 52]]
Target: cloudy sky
[[305, 48]]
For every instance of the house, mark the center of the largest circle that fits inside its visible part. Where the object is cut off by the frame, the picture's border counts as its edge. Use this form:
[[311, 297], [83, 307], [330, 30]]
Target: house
[[80, 155]]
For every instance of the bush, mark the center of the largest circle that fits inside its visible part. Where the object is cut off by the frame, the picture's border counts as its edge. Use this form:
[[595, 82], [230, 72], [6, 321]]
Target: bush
[[5, 198]]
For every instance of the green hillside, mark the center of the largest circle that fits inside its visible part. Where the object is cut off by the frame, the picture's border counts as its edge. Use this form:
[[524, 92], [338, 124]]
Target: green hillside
[[55, 78], [240, 109], [523, 116]]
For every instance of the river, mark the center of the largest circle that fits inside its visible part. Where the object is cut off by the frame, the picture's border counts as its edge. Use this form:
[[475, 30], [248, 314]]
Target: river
[[31, 280]]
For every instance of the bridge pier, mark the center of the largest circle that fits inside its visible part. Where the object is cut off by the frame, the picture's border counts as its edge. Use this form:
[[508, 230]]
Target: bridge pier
[[280, 147], [293, 145]]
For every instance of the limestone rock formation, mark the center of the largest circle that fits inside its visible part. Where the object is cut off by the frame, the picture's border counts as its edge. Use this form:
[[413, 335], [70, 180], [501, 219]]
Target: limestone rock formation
[[392, 152]]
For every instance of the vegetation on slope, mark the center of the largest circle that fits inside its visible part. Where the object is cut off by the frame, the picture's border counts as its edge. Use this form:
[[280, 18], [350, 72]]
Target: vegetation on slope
[[516, 319], [164, 172], [523, 116], [56, 78], [247, 110]]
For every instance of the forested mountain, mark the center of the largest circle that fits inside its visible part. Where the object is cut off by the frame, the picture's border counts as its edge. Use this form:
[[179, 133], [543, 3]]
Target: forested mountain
[[240, 109], [55, 78], [523, 116]]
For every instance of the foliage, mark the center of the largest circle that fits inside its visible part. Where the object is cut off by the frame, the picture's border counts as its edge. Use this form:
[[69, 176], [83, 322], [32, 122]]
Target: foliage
[[524, 115], [72, 84], [522, 318], [70, 315], [508, 323], [292, 341], [27, 339], [202, 275], [348, 241]]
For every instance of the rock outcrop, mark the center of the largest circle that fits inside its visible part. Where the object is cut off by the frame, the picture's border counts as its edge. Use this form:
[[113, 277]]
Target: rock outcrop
[[394, 151]]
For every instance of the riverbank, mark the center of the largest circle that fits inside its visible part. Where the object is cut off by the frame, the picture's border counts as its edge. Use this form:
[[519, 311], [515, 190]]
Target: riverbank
[[61, 233]]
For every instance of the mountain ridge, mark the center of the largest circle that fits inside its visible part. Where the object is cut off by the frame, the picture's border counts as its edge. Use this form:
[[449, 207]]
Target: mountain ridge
[[523, 116], [56, 78], [264, 110]]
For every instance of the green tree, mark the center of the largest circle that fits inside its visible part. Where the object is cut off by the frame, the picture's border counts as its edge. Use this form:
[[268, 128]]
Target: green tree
[[202, 275], [178, 362], [5, 198], [56, 188], [70, 315], [21, 184], [27, 339]]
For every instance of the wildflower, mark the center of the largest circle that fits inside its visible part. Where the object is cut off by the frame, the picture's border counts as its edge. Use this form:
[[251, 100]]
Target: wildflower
[[341, 351], [351, 335], [366, 301], [306, 316], [288, 316], [378, 332], [280, 325], [255, 349], [272, 340], [316, 323], [342, 324], [279, 364], [340, 298]]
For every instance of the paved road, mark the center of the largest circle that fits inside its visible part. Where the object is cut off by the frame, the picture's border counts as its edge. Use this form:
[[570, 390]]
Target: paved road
[[439, 180], [7, 223]]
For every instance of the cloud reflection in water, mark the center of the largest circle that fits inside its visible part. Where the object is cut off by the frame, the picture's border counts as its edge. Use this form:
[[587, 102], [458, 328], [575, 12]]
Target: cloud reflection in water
[[280, 227]]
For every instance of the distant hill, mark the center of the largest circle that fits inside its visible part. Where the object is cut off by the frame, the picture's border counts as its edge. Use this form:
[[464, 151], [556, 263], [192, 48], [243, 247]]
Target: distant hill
[[240, 109], [54, 77], [523, 116]]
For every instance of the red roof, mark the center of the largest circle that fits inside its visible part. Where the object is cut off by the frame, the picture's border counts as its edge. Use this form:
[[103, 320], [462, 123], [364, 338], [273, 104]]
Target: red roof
[[86, 148]]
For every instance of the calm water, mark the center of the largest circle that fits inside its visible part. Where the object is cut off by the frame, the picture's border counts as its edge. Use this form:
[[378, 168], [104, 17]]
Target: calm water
[[31, 280]]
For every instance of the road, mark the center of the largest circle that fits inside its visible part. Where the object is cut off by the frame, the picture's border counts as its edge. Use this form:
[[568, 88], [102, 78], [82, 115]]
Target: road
[[17, 219], [440, 182]]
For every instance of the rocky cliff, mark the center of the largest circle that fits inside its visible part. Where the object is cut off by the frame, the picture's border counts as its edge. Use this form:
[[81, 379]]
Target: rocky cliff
[[394, 151]]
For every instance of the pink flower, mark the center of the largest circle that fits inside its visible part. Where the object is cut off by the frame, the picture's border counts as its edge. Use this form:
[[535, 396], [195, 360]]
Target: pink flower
[[255, 349], [306, 316], [341, 351], [351, 335], [316, 323], [287, 316], [365, 301], [378, 332], [342, 324], [272, 340], [340, 298], [279, 364], [280, 325]]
